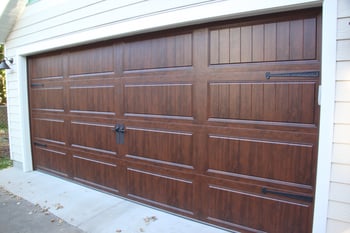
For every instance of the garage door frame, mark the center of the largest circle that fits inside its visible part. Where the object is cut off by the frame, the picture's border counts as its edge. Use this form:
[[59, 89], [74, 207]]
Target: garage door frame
[[326, 116]]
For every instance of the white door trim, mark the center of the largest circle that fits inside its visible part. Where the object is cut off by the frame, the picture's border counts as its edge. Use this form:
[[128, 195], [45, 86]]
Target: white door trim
[[325, 147]]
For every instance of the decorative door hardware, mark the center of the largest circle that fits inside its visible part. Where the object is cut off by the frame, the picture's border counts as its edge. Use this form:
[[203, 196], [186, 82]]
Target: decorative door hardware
[[313, 74], [120, 131], [36, 85], [39, 144], [289, 195]]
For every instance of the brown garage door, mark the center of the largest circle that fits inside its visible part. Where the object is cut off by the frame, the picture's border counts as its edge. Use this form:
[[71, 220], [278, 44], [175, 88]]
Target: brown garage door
[[217, 122]]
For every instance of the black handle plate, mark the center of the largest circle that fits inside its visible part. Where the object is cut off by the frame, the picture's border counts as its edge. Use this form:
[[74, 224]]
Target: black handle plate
[[120, 131]]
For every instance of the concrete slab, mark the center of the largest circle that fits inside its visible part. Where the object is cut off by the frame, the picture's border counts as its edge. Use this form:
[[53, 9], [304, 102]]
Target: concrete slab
[[94, 211]]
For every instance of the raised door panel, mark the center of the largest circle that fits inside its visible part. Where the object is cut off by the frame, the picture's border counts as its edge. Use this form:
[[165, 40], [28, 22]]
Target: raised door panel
[[93, 97], [46, 67], [93, 137], [257, 158], [49, 130], [276, 101], [91, 61], [251, 211], [161, 147], [165, 100], [161, 52], [167, 189], [47, 97], [52, 159], [99, 171], [279, 40]]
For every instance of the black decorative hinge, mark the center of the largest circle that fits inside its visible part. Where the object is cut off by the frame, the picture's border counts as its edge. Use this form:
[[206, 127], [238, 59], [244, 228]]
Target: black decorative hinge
[[39, 144], [289, 195], [312, 74], [37, 85]]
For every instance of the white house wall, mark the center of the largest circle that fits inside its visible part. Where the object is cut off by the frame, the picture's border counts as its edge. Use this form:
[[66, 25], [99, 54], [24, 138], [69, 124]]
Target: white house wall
[[339, 196]]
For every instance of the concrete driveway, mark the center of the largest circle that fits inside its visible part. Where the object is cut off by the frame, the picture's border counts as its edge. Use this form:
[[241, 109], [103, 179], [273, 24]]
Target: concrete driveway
[[87, 209]]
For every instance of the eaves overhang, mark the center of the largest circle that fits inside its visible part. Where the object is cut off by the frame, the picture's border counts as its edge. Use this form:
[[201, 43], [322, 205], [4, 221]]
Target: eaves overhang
[[9, 12]]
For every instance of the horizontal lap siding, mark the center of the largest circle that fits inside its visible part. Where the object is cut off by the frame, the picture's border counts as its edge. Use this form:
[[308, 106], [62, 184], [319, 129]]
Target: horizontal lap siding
[[80, 16], [339, 201]]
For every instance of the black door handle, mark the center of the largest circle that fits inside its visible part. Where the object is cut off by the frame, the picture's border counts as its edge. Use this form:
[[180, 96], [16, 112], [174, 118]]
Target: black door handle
[[119, 128], [120, 131]]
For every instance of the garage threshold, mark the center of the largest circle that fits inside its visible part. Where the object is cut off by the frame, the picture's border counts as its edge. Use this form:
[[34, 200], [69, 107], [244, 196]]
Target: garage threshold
[[94, 211]]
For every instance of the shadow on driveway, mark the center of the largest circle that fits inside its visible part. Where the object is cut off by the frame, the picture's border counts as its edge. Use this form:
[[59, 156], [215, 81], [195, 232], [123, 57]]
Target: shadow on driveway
[[20, 216]]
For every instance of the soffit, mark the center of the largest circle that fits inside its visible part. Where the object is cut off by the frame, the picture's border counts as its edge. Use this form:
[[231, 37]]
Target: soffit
[[9, 11]]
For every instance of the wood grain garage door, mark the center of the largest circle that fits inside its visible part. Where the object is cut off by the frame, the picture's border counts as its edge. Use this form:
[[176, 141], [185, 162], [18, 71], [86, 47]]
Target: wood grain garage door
[[221, 120]]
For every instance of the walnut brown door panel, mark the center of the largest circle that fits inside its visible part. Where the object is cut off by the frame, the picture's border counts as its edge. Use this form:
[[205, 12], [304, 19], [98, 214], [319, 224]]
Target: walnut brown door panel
[[54, 160], [254, 211], [217, 122], [273, 101]]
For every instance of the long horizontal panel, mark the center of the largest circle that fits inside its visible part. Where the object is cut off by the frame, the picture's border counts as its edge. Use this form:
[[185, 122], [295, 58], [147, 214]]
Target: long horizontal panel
[[160, 146], [275, 160], [165, 99]]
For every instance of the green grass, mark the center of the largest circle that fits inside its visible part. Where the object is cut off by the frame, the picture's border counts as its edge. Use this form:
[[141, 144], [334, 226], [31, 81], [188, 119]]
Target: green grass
[[5, 162], [3, 126]]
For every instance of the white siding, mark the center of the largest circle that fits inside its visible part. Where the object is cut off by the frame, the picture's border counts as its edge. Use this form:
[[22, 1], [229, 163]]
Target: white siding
[[339, 196], [338, 226], [341, 154], [343, 72], [343, 50], [339, 211], [340, 192], [341, 133], [343, 30], [342, 112], [343, 8], [342, 89]]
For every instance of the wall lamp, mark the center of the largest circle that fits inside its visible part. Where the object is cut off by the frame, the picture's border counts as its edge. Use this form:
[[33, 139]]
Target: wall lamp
[[4, 65]]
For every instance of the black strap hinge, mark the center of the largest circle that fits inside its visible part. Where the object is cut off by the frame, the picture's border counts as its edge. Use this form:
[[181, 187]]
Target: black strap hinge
[[312, 74], [289, 195], [39, 144]]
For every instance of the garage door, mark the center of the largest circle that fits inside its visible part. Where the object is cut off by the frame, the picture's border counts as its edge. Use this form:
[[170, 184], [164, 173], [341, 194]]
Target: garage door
[[217, 122]]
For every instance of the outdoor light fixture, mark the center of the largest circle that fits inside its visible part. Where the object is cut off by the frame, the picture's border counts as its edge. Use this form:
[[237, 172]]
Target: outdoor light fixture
[[4, 65]]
